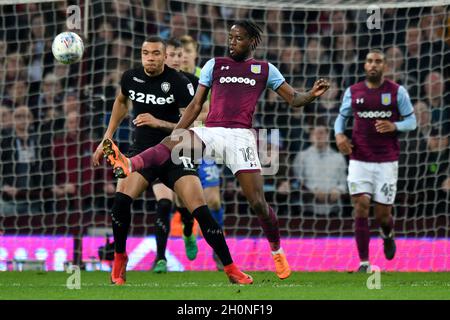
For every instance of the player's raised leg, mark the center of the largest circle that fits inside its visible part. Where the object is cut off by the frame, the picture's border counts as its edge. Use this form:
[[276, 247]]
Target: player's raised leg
[[189, 189], [252, 187], [127, 190], [154, 156], [123, 166], [361, 205], [151, 157], [383, 214]]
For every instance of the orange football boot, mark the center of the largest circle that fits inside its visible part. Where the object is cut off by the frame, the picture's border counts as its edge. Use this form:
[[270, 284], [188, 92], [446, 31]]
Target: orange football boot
[[119, 269], [115, 158], [282, 268], [237, 276]]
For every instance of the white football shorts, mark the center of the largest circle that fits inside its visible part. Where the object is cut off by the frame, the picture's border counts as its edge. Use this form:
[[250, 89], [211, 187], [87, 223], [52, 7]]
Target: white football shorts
[[234, 147], [379, 180]]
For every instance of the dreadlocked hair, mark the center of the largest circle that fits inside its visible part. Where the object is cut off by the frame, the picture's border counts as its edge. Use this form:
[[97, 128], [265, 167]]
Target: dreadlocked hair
[[253, 30]]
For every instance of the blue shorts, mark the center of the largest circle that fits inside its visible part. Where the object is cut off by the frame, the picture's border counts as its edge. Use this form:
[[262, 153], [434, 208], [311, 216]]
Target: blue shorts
[[209, 174]]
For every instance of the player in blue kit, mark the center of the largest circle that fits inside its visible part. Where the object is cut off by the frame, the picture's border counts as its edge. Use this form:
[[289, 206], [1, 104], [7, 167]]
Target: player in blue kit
[[381, 109]]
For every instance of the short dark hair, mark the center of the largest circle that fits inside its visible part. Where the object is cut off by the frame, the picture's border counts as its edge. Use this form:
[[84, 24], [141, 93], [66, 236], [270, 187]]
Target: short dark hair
[[156, 39], [379, 51], [174, 42], [253, 30]]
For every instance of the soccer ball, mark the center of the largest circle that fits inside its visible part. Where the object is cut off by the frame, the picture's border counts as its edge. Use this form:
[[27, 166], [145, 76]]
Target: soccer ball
[[67, 47]]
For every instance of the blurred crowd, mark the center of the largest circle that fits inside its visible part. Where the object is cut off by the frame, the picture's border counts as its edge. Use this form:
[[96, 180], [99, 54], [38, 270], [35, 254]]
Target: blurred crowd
[[53, 115]]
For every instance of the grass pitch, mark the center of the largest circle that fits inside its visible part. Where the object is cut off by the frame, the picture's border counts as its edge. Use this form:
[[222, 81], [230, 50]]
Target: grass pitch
[[215, 286]]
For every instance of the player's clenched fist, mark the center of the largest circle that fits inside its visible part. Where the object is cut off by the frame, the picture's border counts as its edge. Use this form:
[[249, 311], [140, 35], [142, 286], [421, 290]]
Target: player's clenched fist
[[343, 144], [146, 119]]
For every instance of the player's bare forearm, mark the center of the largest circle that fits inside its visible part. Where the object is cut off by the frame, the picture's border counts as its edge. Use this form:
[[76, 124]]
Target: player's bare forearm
[[204, 113], [297, 99], [319, 88], [302, 99], [190, 114], [193, 109], [119, 112], [167, 126]]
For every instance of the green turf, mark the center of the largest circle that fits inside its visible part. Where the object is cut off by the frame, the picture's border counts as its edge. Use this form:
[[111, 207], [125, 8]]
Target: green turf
[[214, 285]]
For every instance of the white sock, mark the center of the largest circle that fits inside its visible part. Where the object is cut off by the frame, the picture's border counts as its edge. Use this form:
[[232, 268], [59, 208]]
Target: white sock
[[277, 251], [364, 263]]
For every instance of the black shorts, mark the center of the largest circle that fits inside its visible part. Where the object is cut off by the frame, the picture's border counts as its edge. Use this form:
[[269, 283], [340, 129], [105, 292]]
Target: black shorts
[[168, 173]]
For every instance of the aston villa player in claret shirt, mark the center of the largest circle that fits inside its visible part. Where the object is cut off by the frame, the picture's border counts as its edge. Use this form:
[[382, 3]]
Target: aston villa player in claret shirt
[[236, 83], [157, 92], [380, 109]]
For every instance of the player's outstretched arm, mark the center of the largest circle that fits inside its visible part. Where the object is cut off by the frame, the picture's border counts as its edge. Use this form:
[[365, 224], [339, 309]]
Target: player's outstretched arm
[[194, 108], [298, 99], [119, 112]]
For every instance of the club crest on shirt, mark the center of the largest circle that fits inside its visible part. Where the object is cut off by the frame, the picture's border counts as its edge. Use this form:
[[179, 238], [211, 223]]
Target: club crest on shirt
[[165, 86], [255, 68], [386, 99]]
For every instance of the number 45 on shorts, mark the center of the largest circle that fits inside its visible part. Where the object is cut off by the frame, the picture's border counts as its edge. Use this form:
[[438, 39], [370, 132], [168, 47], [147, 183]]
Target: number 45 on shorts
[[388, 189]]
